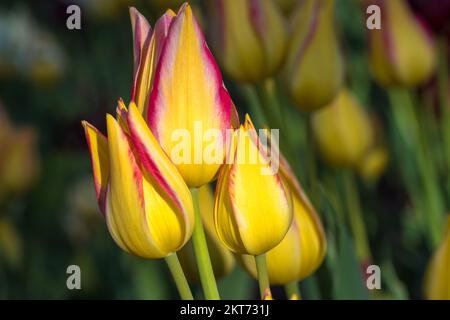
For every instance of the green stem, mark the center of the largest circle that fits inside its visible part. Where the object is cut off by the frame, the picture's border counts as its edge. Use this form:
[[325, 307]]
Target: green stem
[[205, 269], [263, 276], [178, 276], [292, 290], [355, 218], [407, 122]]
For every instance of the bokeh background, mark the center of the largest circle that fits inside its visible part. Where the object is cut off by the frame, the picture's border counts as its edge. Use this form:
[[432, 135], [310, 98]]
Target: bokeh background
[[51, 78]]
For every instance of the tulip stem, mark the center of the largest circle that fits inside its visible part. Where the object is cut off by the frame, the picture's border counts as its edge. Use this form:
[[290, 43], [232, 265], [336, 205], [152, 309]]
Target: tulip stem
[[205, 269], [355, 218], [263, 276], [178, 276], [293, 291]]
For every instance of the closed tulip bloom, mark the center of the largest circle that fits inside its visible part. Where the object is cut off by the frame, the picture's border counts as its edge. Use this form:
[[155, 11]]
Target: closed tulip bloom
[[249, 36], [188, 98], [147, 206], [314, 69], [252, 210], [221, 258], [343, 131], [401, 53], [374, 163], [303, 248], [19, 163], [437, 277]]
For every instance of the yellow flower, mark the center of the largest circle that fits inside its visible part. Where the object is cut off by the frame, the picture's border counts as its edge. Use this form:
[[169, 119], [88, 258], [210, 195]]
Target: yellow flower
[[252, 210], [374, 163], [19, 159], [343, 131], [249, 36], [437, 277], [401, 52], [221, 258], [188, 102], [314, 69], [11, 245], [147, 205], [303, 248]]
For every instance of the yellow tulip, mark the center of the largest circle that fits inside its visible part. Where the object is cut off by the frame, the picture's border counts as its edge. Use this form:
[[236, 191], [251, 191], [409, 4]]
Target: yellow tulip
[[19, 164], [343, 131], [11, 244], [401, 52], [187, 100], [252, 210], [437, 277], [303, 248], [147, 205], [374, 163], [221, 258], [249, 36], [314, 70]]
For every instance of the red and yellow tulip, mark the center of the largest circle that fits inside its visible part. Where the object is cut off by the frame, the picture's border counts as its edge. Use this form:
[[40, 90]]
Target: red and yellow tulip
[[249, 36], [314, 70], [252, 210], [188, 98], [401, 53], [303, 248], [147, 206]]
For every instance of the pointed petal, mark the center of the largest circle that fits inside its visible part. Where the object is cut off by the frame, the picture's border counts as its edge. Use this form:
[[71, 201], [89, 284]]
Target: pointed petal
[[162, 174], [98, 148], [125, 213], [188, 90]]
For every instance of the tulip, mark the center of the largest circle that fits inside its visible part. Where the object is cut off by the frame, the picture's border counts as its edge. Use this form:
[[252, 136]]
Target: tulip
[[437, 277], [343, 131], [11, 244], [374, 163], [147, 206], [19, 166], [250, 36], [252, 210], [401, 53], [314, 69], [188, 98], [221, 258], [303, 248]]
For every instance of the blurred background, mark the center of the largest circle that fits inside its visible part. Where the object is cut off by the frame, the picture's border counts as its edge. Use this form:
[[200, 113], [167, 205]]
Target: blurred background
[[388, 208]]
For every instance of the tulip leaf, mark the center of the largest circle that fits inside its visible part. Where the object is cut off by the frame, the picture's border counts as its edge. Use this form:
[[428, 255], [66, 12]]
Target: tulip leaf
[[348, 278]]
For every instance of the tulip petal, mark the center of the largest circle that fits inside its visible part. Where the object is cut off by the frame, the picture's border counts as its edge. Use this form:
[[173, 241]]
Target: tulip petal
[[188, 91], [125, 201], [98, 148], [241, 187], [162, 173]]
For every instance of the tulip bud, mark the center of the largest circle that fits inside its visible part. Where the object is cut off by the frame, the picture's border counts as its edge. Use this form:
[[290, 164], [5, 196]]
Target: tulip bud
[[343, 131], [401, 53], [147, 206], [189, 109], [252, 210], [249, 36], [437, 284], [221, 258], [314, 70], [20, 161], [374, 163], [303, 248], [11, 246]]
